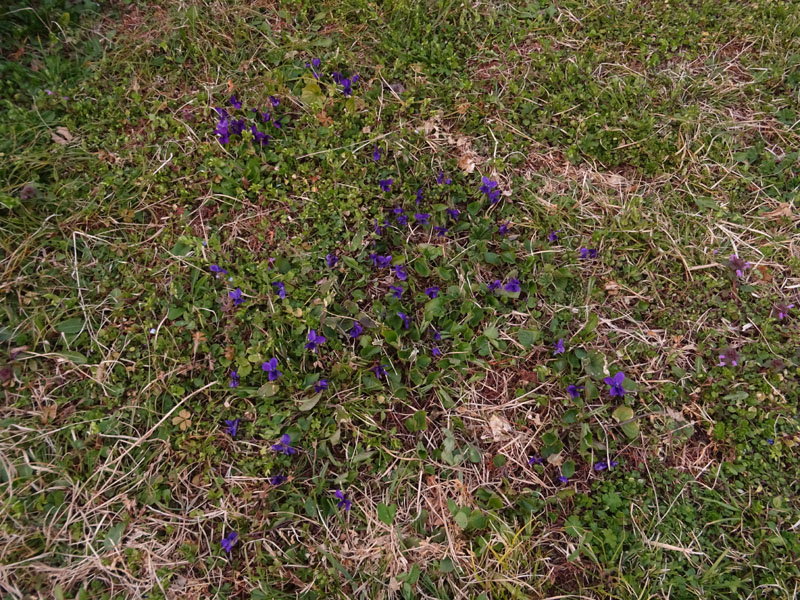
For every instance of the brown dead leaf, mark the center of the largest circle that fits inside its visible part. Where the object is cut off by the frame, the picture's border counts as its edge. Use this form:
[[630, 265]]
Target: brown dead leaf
[[230, 352], [462, 108], [198, 337], [61, 136], [766, 276], [784, 210], [49, 413], [230, 86], [324, 119], [612, 288], [183, 420], [466, 162], [500, 427]]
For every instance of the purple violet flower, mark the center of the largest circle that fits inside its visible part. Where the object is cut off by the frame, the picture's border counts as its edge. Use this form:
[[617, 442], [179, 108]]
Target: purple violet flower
[[314, 340], [559, 347], [402, 220], [223, 131], [535, 460], [602, 465], [512, 285], [356, 330], [404, 317], [284, 445], [574, 391], [563, 479], [218, 270], [376, 154], [420, 196], [435, 351], [494, 285], [397, 291], [344, 502], [738, 265], [503, 229], [231, 426], [422, 218], [237, 126], [432, 291], [281, 288], [386, 184], [379, 229], [271, 367], [380, 371], [229, 540], [588, 253], [315, 62], [258, 136], [235, 103], [615, 384], [277, 480], [274, 101], [440, 230], [234, 379], [553, 236], [331, 260], [400, 272], [440, 179], [436, 335], [236, 296], [453, 213], [322, 384]]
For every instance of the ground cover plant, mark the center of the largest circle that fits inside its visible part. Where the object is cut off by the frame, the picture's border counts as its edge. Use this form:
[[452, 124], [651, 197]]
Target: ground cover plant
[[399, 300]]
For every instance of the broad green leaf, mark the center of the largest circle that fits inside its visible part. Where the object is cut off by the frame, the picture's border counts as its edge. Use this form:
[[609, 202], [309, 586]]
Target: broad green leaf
[[310, 403], [386, 513], [71, 326]]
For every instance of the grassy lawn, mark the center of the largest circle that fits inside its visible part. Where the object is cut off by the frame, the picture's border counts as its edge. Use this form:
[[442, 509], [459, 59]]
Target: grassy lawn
[[399, 299]]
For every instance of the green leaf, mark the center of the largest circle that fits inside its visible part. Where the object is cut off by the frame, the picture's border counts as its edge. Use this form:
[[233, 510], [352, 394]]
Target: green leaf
[[71, 326], [622, 413], [462, 520], [568, 469], [386, 513], [76, 357], [417, 422], [310, 403], [528, 337], [312, 93], [491, 333], [491, 258], [422, 268], [612, 500], [591, 325], [267, 390], [114, 536]]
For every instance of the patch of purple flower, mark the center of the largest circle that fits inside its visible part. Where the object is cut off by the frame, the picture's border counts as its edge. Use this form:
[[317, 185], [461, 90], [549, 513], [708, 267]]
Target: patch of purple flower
[[559, 347], [231, 427], [229, 540], [397, 291], [380, 371], [271, 367], [782, 310], [386, 184], [503, 229], [436, 335], [588, 253], [489, 187], [738, 265], [728, 357], [218, 270], [422, 218], [535, 460], [419, 197], [435, 351], [404, 317], [402, 220], [381, 261], [314, 340], [563, 479], [234, 379], [615, 384], [344, 502], [400, 272], [281, 288], [440, 179], [236, 296], [602, 465], [574, 391], [453, 213], [258, 136], [274, 101], [356, 330], [322, 384], [512, 285], [376, 154], [277, 480], [440, 230], [494, 285], [432, 292], [235, 103], [553, 236], [223, 130], [284, 446], [331, 260]]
